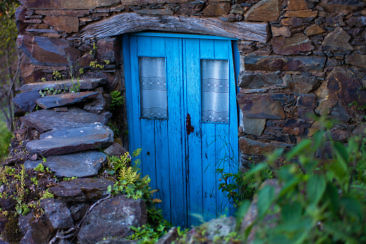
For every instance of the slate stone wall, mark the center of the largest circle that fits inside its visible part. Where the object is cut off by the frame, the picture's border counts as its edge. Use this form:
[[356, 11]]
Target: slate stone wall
[[314, 62]]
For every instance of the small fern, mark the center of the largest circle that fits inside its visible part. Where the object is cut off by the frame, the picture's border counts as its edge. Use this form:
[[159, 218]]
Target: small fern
[[129, 181], [117, 100], [128, 175]]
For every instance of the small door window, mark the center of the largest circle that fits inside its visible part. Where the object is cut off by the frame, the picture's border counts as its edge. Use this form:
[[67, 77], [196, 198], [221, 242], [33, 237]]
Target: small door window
[[152, 73], [215, 90]]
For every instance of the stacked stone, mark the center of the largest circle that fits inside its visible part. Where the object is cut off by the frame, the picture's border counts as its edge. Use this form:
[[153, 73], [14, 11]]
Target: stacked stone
[[305, 69], [72, 132], [313, 63]]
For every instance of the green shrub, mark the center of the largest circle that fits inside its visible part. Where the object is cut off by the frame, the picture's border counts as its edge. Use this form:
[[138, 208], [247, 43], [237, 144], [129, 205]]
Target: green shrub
[[321, 199], [238, 187], [5, 136], [117, 100], [130, 183], [147, 234]]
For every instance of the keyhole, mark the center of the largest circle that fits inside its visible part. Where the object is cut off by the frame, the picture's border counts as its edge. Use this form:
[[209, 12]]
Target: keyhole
[[148, 153]]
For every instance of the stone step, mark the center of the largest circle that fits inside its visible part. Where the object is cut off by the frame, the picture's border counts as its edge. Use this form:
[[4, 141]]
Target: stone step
[[82, 189], [85, 84], [66, 99], [25, 101], [82, 164], [45, 120], [70, 140]]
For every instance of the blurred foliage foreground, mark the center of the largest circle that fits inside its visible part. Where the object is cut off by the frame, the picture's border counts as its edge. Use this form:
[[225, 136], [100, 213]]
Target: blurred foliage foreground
[[320, 197]]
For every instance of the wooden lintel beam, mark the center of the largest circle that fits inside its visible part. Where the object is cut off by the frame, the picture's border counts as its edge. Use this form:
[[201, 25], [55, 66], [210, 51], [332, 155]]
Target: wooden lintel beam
[[132, 22]]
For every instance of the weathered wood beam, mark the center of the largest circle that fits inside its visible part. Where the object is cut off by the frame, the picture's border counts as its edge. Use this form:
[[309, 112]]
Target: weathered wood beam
[[132, 22]]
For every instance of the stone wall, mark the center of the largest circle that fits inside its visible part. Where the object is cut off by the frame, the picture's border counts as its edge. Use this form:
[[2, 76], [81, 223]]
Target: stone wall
[[313, 63]]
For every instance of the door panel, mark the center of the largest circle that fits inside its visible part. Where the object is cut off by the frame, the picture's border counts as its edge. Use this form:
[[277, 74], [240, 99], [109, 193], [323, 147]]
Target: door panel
[[183, 146], [175, 139], [193, 150], [212, 59]]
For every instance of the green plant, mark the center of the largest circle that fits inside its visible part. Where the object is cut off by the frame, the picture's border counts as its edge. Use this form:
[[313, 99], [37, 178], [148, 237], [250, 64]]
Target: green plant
[[182, 233], [93, 51], [75, 87], [238, 187], [129, 181], [56, 75], [5, 138], [147, 234], [34, 181], [50, 92], [46, 194], [321, 195], [69, 178], [95, 65], [132, 185], [40, 167], [21, 207], [117, 100]]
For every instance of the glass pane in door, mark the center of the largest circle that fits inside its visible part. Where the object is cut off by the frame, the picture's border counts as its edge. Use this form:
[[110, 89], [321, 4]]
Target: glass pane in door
[[215, 90], [152, 73]]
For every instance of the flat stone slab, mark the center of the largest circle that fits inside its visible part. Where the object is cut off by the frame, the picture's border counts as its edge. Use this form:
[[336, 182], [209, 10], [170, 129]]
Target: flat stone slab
[[65, 99], [112, 217], [82, 189], [65, 141], [57, 213], [288, 63], [73, 165], [45, 120], [25, 101], [85, 84]]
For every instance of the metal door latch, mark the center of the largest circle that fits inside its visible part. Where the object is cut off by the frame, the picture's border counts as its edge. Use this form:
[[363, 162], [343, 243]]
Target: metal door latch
[[189, 126]]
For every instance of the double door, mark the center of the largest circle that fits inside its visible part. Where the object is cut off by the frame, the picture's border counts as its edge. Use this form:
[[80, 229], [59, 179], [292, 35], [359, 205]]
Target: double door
[[182, 113]]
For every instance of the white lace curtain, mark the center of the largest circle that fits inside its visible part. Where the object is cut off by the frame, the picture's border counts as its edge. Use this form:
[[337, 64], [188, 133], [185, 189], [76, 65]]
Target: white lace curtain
[[153, 88], [215, 91]]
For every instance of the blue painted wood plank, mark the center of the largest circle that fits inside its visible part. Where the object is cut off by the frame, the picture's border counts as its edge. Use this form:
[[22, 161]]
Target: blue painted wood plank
[[161, 147], [127, 80], [147, 125], [162, 166], [234, 122], [135, 131], [207, 51], [222, 162], [222, 138], [193, 108], [185, 36], [144, 46], [209, 171], [158, 46], [175, 140]]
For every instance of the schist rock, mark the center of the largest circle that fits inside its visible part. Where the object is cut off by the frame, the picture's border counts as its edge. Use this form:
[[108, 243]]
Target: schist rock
[[296, 44], [281, 63], [82, 164], [258, 106], [64, 141], [45, 120], [112, 217], [65, 99], [82, 189], [85, 84], [264, 10], [47, 51], [57, 213]]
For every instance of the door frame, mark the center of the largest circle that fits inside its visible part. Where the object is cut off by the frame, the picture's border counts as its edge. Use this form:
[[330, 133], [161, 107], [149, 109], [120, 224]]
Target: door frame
[[126, 51]]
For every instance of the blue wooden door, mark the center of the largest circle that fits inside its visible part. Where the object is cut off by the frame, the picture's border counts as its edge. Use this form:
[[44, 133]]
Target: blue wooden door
[[182, 113]]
